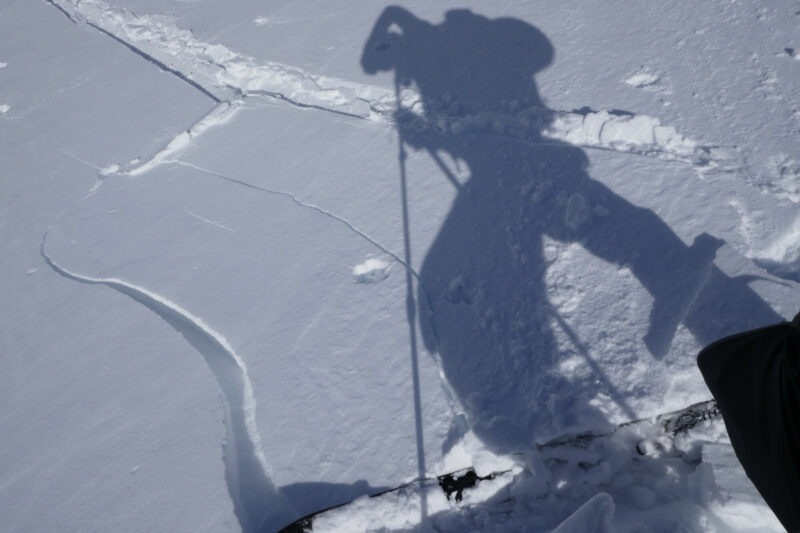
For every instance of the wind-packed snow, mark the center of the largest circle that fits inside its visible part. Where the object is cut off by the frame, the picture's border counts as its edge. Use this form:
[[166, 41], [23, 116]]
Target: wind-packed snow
[[249, 274]]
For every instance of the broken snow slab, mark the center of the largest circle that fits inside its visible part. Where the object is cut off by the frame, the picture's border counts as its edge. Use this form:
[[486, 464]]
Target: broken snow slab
[[344, 171], [348, 167], [342, 165], [316, 366], [104, 418], [86, 96]]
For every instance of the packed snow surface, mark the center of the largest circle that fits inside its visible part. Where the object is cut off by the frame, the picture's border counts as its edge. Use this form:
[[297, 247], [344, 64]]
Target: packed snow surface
[[265, 260]]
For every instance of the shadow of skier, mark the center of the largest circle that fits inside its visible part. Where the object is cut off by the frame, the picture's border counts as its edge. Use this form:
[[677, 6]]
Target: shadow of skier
[[484, 273]]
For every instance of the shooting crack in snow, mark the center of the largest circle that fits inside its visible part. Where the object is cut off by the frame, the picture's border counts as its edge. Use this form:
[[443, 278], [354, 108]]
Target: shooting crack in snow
[[293, 173], [229, 77], [247, 472], [355, 230]]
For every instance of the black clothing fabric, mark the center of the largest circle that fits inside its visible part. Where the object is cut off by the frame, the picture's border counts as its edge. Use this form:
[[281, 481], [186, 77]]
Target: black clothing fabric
[[754, 378]]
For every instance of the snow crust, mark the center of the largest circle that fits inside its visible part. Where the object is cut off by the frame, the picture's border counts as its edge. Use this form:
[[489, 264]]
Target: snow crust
[[238, 317]]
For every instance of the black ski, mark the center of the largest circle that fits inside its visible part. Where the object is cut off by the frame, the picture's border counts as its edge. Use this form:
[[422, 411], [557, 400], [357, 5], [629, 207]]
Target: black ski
[[669, 424]]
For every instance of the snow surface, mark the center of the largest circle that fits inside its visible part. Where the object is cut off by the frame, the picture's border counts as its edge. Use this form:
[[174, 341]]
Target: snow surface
[[224, 313]]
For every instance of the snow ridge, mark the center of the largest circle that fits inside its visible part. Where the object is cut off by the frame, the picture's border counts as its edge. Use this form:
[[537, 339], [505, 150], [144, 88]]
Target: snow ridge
[[215, 69], [246, 470], [637, 134], [155, 61], [227, 76]]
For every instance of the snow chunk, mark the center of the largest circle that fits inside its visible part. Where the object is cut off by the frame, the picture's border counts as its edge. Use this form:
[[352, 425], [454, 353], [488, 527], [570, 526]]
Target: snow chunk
[[4, 108], [780, 255], [219, 115], [642, 79], [3, 65], [264, 21], [639, 134], [110, 170], [784, 179], [371, 271]]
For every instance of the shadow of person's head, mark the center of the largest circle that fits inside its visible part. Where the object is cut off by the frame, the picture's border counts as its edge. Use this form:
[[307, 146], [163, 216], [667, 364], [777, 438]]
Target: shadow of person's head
[[468, 61]]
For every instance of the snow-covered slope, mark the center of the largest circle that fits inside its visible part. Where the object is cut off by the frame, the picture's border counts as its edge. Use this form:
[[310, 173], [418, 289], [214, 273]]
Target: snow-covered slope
[[224, 312]]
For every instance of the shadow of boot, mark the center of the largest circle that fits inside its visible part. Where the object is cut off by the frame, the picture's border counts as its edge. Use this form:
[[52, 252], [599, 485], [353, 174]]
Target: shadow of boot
[[672, 306]]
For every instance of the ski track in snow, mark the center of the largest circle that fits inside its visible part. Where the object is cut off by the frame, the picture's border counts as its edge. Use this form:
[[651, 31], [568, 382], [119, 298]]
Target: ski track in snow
[[228, 78], [256, 500]]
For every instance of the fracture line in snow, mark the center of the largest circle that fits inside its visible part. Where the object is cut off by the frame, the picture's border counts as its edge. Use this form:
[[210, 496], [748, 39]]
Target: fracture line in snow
[[301, 203], [230, 78], [199, 323], [226, 75], [63, 11], [216, 69], [207, 221], [256, 500], [82, 161], [443, 379], [156, 62], [219, 115]]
